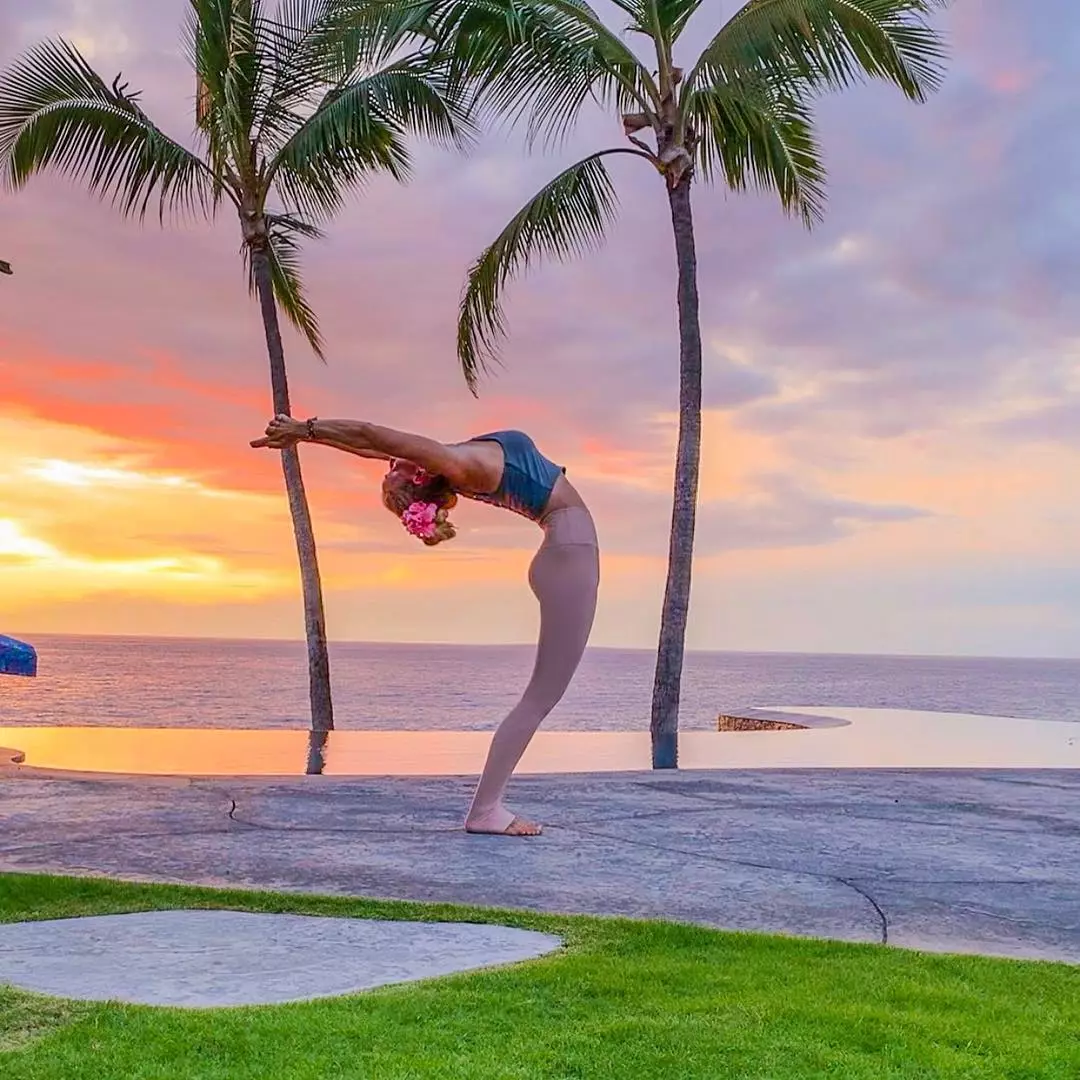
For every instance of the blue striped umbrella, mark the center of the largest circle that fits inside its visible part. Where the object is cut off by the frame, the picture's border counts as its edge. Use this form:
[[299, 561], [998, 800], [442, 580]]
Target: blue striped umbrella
[[16, 657]]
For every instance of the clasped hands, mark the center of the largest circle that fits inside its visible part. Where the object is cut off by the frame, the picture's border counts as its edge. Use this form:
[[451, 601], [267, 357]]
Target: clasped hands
[[281, 433]]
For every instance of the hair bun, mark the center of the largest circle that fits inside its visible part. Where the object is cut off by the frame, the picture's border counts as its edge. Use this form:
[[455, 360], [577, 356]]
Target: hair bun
[[421, 501]]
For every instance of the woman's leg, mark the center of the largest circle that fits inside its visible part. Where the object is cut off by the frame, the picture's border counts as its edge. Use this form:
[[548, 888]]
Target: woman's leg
[[565, 579]]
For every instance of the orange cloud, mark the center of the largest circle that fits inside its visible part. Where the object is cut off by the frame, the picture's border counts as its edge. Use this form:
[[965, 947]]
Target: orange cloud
[[168, 418]]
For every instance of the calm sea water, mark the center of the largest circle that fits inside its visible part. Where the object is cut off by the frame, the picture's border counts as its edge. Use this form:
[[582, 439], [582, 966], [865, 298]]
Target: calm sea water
[[187, 683]]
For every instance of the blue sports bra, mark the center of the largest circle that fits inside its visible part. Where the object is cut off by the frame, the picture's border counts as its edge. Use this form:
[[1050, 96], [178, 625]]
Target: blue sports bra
[[528, 477]]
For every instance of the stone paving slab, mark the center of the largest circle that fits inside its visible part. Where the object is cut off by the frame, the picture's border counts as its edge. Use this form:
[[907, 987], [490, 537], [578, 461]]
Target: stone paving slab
[[210, 959], [954, 860]]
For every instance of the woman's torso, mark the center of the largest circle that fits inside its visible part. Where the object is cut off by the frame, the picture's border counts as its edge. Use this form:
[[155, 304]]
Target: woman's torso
[[531, 484]]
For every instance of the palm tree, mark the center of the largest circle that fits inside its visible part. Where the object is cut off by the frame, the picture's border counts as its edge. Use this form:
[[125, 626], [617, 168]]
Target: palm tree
[[741, 115], [294, 109]]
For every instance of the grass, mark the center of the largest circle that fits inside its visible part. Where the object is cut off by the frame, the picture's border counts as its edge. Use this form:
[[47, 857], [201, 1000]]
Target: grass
[[624, 1000]]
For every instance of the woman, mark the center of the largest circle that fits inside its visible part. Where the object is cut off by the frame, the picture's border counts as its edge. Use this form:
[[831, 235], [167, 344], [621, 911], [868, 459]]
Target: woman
[[504, 469]]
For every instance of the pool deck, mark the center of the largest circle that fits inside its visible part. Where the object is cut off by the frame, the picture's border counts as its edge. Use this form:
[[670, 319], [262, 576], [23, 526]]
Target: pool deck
[[956, 858]]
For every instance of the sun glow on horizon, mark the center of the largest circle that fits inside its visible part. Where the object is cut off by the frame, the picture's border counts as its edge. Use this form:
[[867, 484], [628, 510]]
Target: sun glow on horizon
[[76, 474], [84, 515], [24, 552]]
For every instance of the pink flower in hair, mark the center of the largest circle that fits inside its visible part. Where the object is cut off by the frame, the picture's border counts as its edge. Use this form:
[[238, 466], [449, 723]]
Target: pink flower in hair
[[419, 519]]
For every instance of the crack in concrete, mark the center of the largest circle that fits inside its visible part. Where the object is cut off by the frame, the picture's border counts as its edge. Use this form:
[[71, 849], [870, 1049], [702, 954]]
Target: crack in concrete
[[587, 828], [644, 815], [597, 825], [1053, 825], [1023, 782], [886, 879], [859, 890], [258, 826], [873, 903], [1014, 919], [819, 875]]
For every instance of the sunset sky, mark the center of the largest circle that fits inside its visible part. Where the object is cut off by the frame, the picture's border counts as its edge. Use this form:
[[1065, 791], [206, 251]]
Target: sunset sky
[[892, 435]]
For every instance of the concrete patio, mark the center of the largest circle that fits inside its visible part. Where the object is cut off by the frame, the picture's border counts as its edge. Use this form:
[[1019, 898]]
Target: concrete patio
[[981, 861]]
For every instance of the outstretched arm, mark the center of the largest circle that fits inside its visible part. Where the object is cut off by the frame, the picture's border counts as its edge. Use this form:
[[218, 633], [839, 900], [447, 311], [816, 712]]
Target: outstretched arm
[[377, 455], [463, 466]]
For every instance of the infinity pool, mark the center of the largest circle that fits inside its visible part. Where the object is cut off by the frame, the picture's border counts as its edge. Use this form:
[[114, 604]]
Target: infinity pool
[[865, 739]]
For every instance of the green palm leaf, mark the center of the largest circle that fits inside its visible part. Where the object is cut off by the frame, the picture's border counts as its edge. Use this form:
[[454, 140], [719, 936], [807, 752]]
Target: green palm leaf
[[283, 251], [661, 20], [298, 43], [753, 134], [565, 218], [541, 61], [636, 9], [226, 45], [673, 15], [371, 31], [56, 112], [360, 128], [829, 43], [315, 44]]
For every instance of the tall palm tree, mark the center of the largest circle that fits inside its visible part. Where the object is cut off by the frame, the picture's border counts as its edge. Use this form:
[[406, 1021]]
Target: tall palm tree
[[740, 115], [294, 109]]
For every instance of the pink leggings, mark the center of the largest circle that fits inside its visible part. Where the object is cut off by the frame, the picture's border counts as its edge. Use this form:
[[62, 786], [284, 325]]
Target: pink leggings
[[565, 577]]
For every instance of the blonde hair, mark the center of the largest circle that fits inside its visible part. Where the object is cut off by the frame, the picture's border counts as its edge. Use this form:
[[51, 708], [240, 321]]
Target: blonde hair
[[401, 488]]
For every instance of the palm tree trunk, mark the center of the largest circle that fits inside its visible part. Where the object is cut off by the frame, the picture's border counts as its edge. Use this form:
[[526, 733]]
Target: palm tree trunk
[[669, 660], [322, 707]]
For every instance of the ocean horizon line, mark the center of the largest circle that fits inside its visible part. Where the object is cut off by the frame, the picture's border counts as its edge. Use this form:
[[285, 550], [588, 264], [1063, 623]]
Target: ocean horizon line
[[30, 635]]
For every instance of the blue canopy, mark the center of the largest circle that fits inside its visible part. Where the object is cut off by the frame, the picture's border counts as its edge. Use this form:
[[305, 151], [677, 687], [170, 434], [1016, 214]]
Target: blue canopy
[[16, 657]]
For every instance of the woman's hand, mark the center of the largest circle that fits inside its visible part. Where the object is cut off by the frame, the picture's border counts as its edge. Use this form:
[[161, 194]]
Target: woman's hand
[[281, 433]]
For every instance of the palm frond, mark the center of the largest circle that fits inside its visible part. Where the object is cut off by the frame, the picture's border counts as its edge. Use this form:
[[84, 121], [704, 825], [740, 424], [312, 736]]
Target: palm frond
[[751, 132], [540, 59], [297, 64], [673, 15], [283, 252], [370, 32], [829, 44], [658, 19], [56, 112], [635, 9], [226, 45], [360, 128], [316, 44], [565, 218], [321, 47]]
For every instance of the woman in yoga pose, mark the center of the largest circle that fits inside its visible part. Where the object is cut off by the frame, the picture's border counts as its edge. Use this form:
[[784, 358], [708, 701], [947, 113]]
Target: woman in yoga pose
[[504, 469]]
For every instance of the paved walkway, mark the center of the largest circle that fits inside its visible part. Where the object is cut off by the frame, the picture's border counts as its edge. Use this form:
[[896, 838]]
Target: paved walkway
[[984, 861], [210, 959]]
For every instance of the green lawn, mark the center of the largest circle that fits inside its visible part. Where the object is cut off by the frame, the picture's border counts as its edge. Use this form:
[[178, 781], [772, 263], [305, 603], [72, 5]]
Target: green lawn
[[633, 1000]]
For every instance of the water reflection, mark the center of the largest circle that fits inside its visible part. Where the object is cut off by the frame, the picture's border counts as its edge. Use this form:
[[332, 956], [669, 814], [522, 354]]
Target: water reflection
[[316, 757], [875, 738]]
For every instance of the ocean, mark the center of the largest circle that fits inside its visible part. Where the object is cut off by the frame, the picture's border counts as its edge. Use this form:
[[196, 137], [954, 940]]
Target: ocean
[[164, 682]]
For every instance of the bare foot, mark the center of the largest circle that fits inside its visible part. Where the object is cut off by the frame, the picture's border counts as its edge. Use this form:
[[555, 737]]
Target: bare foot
[[517, 827]]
